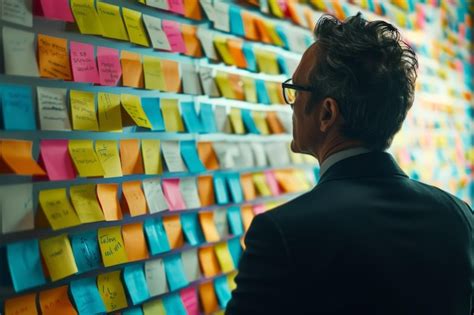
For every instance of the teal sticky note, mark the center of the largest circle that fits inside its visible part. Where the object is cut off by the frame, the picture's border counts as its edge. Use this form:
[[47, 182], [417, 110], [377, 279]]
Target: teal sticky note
[[236, 22], [86, 251], [192, 228], [174, 305], [190, 117], [235, 250], [207, 118], [24, 263], [262, 94], [17, 108], [220, 188], [151, 107], [233, 181], [282, 34], [235, 220], [86, 296], [221, 286], [283, 66], [136, 283], [175, 272], [249, 55], [190, 156], [249, 122], [156, 236], [133, 311]]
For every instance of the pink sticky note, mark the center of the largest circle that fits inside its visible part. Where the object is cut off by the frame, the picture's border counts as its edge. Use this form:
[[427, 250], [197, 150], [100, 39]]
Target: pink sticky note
[[84, 67], [110, 70], [172, 193], [54, 9], [176, 6], [272, 183], [175, 38], [190, 300], [257, 209], [57, 162]]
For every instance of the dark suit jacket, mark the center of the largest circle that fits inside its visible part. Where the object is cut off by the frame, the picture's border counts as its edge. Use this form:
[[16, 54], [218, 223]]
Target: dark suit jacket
[[366, 240]]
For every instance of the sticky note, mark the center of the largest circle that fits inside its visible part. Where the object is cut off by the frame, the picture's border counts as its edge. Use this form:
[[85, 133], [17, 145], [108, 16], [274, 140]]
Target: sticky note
[[250, 90], [247, 216], [236, 120], [250, 58], [277, 153], [222, 290], [17, 108], [208, 156], [57, 10], [236, 21], [286, 121], [155, 277], [235, 220], [16, 155], [272, 183], [16, 208], [134, 197], [258, 209], [190, 117], [191, 41], [206, 218], [222, 21], [84, 158], [206, 116], [206, 191], [24, 304], [176, 6], [154, 307], [172, 194], [19, 52], [191, 228], [132, 71], [57, 254], [235, 50], [134, 239], [151, 107], [132, 104], [154, 195], [171, 71], [225, 88], [261, 184], [221, 45], [24, 263], [231, 280], [56, 300], [172, 155], [107, 152], [173, 304], [267, 62], [157, 34], [86, 251], [171, 115], [171, 29], [235, 250], [86, 296], [111, 246], [83, 111], [111, 290], [191, 264], [209, 263], [191, 82], [136, 283], [220, 221], [107, 195], [86, 17], [248, 121], [135, 28], [111, 21], [220, 189], [83, 63], [274, 123], [85, 202], [236, 84], [191, 10], [110, 70], [262, 94], [224, 257], [190, 156], [130, 156], [52, 109], [57, 208], [154, 75], [190, 300], [151, 156], [172, 225], [206, 36], [160, 4], [156, 236], [53, 57], [208, 297], [262, 29], [110, 117], [189, 191], [233, 182], [207, 80], [175, 272], [260, 122]]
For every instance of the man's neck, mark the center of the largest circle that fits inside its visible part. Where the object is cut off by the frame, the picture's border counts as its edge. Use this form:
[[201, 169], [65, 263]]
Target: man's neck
[[339, 156]]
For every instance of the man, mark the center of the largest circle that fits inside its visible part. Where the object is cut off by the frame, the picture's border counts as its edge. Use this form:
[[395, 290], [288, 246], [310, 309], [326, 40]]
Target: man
[[367, 239]]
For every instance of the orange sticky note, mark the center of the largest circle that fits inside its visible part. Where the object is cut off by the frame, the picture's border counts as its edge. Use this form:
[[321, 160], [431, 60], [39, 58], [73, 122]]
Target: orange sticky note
[[274, 123], [192, 10], [248, 186], [172, 225], [170, 70], [247, 215], [208, 297], [250, 29], [56, 301], [206, 191], [107, 195], [235, 49], [135, 198], [287, 180], [134, 239], [262, 31], [53, 57], [22, 305], [209, 263], [191, 41], [132, 70], [130, 157], [17, 156], [237, 86], [206, 218], [208, 156]]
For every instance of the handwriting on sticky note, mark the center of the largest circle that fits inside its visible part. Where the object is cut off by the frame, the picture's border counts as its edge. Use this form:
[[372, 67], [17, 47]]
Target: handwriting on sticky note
[[86, 296], [133, 106], [86, 17], [57, 208], [135, 198], [111, 20], [19, 52], [172, 194], [110, 116], [108, 154], [151, 156], [111, 246], [154, 195], [154, 76], [57, 254], [18, 113], [155, 30], [173, 230], [135, 28], [16, 207], [171, 28], [172, 156], [17, 11], [24, 304], [56, 301], [85, 202], [84, 158], [86, 251], [53, 57], [189, 191], [84, 67], [84, 115], [52, 109], [110, 71], [155, 277], [111, 290]]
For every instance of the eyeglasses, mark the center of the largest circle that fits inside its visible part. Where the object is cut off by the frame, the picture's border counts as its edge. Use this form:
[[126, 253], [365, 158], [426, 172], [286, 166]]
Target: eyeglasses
[[290, 91]]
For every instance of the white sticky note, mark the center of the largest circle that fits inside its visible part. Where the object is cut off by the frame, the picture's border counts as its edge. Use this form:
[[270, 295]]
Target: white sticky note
[[227, 154], [206, 36], [221, 18], [154, 195], [191, 264], [209, 9], [19, 52], [259, 154], [52, 109], [277, 153], [220, 220], [245, 159], [156, 33], [207, 81], [16, 208], [189, 191], [286, 120], [155, 277], [172, 155], [17, 11], [191, 84], [160, 4], [220, 115]]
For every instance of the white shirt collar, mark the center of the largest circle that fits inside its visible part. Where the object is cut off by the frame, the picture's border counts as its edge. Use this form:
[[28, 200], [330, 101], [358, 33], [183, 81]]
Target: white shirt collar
[[339, 156]]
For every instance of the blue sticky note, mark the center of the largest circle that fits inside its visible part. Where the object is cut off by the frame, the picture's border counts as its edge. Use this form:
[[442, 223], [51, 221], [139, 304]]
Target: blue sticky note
[[249, 57], [248, 121], [190, 117], [281, 33], [221, 287], [191, 157], [17, 108], [136, 283], [151, 107], [24, 263], [236, 22], [262, 95], [192, 228], [156, 236], [233, 181], [174, 305], [133, 311], [86, 251], [235, 220], [235, 250], [207, 118], [220, 188], [86, 296], [283, 66], [175, 272]]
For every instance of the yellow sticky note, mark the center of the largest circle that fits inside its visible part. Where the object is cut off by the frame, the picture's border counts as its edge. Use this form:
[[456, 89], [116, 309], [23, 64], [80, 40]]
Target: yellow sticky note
[[236, 120], [110, 116], [275, 8], [267, 62], [133, 105], [107, 151], [231, 281], [221, 45], [111, 20], [111, 246], [84, 115], [154, 77], [171, 115], [84, 158], [84, 199], [224, 257], [58, 256], [155, 307], [260, 122], [151, 156], [86, 17], [261, 184], [302, 181], [273, 34], [111, 291], [224, 85], [274, 92], [58, 209], [135, 28], [250, 90]]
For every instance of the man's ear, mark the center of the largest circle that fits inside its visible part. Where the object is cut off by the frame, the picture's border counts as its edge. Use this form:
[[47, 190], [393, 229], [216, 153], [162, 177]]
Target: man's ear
[[329, 114]]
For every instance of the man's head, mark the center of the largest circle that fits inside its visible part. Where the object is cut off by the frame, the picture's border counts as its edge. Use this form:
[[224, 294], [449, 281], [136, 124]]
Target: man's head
[[360, 77]]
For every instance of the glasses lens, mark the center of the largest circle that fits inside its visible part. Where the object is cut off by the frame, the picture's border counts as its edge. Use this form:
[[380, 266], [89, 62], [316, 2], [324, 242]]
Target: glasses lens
[[290, 95]]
